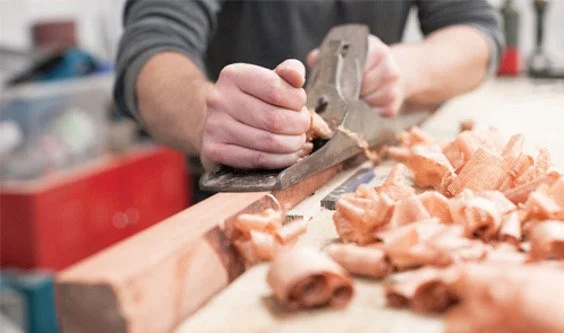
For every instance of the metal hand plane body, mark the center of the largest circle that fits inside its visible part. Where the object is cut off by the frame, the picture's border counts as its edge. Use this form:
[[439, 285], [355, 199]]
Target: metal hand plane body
[[333, 92]]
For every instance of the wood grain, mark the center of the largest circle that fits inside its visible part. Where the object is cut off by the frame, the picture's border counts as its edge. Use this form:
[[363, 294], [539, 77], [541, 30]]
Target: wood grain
[[153, 280]]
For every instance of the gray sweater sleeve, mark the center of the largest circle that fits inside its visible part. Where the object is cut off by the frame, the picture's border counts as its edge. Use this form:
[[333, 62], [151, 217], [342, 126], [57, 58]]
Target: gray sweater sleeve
[[437, 14], [153, 26]]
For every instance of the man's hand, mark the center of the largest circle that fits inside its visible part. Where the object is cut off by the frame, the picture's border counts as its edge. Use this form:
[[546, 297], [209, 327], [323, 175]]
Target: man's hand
[[256, 117], [382, 87]]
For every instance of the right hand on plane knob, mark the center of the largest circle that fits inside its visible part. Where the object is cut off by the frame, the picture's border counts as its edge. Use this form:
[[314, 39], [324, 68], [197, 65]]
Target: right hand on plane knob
[[256, 117]]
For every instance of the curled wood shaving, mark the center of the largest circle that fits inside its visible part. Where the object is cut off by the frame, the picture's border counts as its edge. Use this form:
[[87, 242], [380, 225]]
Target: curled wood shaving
[[547, 240], [258, 237], [303, 278], [361, 143], [483, 171], [437, 205], [423, 290], [510, 229], [364, 261], [507, 298], [429, 168], [318, 128]]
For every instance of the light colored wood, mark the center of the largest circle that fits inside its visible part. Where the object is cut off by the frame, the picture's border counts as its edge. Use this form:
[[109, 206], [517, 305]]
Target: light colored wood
[[512, 106], [246, 305], [153, 280]]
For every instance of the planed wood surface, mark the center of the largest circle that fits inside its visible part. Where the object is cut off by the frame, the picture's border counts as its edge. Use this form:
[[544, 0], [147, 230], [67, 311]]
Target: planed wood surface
[[535, 108], [153, 280]]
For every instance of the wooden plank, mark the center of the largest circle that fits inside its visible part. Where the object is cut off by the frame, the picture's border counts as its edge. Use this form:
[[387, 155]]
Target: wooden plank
[[151, 281], [246, 306]]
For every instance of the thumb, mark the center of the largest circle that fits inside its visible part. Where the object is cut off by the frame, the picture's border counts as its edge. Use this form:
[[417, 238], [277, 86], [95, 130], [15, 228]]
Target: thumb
[[207, 164], [311, 58], [377, 51], [292, 71]]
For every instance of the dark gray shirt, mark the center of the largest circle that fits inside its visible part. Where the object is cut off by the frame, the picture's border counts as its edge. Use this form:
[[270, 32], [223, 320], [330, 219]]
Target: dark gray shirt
[[216, 33]]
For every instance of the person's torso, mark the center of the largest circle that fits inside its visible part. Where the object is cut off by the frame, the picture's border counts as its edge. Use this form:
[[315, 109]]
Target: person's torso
[[267, 32]]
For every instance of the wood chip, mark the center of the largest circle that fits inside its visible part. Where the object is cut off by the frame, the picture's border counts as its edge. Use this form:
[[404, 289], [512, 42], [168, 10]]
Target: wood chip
[[361, 143], [318, 128], [258, 237], [291, 231], [263, 245], [484, 171], [303, 278], [395, 185], [510, 229], [437, 205], [364, 261], [547, 240], [356, 219], [429, 168], [507, 298], [423, 290], [513, 149]]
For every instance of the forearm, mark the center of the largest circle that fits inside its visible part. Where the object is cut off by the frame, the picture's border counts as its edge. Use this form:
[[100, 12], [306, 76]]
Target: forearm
[[448, 62], [171, 97]]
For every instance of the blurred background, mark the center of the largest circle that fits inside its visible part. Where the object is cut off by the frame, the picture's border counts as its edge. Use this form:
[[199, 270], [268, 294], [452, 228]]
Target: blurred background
[[76, 176]]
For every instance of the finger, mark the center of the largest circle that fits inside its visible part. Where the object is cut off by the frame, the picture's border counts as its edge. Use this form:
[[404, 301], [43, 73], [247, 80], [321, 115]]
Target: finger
[[264, 84], [387, 111], [244, 158], [208, 164], [292, 71], [377, 50], [252, 111], [233, 132], [311, 58], [388, 99], [383, 74]]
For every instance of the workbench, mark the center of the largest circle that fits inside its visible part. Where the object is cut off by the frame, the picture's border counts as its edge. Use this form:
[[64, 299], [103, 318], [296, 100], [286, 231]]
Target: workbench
[[244, 304]]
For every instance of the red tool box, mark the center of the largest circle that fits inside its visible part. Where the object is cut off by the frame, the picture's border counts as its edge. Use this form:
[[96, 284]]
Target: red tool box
[[62, 218]]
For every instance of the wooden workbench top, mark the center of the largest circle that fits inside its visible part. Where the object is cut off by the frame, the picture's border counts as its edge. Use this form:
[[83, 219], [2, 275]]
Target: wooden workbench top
[[535, 108]]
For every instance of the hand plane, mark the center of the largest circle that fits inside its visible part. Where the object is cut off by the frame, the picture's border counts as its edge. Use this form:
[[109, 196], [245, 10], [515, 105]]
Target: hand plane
[[333, 91]]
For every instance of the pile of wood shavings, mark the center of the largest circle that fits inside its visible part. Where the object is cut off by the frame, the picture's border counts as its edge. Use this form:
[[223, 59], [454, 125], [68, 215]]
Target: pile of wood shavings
[[259, 237], [488, 205]]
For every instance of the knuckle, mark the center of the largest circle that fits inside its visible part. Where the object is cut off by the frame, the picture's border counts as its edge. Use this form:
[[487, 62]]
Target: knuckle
[[390, 110], [273, 143], [258, 159], [274, 120], [301, 97], [390, 96], [213, 124], [385, 56], [392, 74], [213, 100], [211, 150], [230, 72], [303, 140], [304, 120], [273, 90]]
